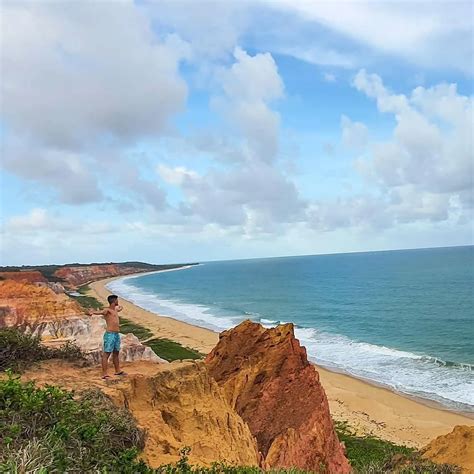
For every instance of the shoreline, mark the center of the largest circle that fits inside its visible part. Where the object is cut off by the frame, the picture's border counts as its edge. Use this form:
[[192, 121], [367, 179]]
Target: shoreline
[[369, 408]]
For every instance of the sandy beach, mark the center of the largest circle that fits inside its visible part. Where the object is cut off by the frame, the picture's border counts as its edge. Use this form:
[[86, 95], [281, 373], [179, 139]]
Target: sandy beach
[[368, 408]]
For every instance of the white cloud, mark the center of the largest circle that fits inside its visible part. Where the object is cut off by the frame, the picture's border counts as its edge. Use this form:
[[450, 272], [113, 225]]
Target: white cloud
[[85, 71], [435, 34], [176, 176], [64, 171], [79, 79], [427, 167], [41, 221], [355, 135], [250, 85], [252, 192], [320, 56], [432, 143], [37, 219]]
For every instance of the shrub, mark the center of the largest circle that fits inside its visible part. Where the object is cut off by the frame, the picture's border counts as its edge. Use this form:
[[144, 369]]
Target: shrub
[[18, 349], [372, 455], [47, 428]]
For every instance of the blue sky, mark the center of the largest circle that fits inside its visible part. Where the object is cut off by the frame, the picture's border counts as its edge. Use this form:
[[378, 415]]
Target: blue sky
[[182, 131]]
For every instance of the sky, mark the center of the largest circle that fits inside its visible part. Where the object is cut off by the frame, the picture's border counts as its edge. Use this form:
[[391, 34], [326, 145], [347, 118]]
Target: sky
[[177, 131]]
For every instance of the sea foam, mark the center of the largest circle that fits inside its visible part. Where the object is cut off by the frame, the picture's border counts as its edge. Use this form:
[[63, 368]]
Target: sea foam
[[413, 374]]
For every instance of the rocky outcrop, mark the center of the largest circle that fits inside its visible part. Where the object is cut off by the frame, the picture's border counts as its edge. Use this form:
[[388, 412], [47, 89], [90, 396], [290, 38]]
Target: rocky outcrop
[[267, 378], [179, 404], [87, 333], [27, 304], [26, 276], [78, 275], [55, 286], [455, 448], [183, 406], [56, 318]]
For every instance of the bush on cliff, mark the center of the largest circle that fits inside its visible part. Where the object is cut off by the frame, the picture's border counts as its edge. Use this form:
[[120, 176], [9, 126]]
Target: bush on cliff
[[18, 349], [372, 455], [47, 430]]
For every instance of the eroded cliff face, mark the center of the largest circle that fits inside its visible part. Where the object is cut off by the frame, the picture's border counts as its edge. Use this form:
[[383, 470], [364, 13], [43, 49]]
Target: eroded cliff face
[[77, 276], [56, 318], [30, 276], [179, 404], [456, 448], [87, 332], [24, 303], [267, 378]]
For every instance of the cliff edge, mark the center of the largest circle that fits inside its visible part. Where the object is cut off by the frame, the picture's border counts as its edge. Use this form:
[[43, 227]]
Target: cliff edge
[[178, 404], [267, 378], [456, 448]]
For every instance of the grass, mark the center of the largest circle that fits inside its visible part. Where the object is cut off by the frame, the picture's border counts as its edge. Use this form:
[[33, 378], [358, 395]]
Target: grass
[[372, 455], [84, 289], [164, 348], [18, 350], [86, 301], [140, 331], [171, 350]]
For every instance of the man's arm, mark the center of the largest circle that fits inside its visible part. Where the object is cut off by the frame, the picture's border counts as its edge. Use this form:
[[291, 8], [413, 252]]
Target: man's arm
[[97, 313], [119, 308]]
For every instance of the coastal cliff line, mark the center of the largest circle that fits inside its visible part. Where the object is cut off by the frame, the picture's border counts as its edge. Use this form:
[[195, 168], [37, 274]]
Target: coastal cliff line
[[254, 402]]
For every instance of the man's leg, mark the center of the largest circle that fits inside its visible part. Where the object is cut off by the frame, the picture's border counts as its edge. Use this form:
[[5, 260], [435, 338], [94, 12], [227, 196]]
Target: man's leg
[[105, 362], [116, 361]]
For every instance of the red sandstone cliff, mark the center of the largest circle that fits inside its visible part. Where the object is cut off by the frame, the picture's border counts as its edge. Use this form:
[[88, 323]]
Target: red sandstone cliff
[[267, 378], [76, 276], [32, 276]]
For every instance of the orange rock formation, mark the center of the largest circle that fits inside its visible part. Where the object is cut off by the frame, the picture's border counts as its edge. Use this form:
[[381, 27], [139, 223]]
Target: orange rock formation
[[267, 378], [179, 404], [76, 276], [456, 448], [32, 276], [26, 303]]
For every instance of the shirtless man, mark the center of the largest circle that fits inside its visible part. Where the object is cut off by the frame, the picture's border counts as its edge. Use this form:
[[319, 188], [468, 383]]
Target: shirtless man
[[111, 335]]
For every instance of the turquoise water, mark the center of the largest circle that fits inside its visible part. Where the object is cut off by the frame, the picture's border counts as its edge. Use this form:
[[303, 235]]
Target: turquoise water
[[404, 319]]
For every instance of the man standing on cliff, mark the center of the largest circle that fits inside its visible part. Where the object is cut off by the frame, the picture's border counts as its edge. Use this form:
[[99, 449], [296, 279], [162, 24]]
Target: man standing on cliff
[[111, 336]]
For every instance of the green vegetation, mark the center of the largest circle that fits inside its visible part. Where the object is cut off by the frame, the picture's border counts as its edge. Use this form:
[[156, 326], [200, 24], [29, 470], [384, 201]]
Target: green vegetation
[[18, 350], [89, 302], [183, 466], [164, 348], [171, 350], [84, 289], [86, 301], [140, 331], [371, 455], [47, 430]]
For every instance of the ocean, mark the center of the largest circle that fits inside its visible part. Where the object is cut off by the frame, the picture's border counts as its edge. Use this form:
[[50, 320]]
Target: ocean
[[403, 319]]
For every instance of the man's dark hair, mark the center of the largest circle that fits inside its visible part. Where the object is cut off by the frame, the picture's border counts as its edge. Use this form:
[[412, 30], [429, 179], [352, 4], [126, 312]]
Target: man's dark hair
[[112, 298]]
